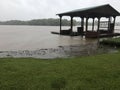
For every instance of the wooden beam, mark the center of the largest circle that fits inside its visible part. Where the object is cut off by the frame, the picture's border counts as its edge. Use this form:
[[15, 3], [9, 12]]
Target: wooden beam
[[109, 20], [98, 24], [87, 24], [114, 22], [93, 24], [98, 31], [60, 24], [82, 23], [71, 30]]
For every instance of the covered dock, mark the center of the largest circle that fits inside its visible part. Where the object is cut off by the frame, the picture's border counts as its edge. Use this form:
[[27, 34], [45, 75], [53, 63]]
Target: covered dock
[[96, 14]]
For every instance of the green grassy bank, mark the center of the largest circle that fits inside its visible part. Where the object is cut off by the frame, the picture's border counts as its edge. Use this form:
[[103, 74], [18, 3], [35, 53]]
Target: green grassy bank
[[100, 72], [111, 42]]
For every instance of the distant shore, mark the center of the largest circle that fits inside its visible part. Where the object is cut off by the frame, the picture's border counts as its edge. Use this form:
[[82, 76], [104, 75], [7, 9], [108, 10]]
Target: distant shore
[[45, 22], [39, 22]]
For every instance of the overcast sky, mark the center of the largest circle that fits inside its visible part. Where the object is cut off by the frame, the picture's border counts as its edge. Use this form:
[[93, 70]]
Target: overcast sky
[[36, 9]]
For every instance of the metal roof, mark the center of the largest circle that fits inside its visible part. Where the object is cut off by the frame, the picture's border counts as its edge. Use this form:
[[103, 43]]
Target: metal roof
[[97, 11]]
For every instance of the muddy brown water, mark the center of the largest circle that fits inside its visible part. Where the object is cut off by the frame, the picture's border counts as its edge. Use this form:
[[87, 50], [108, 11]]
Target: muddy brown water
[[37, 41]]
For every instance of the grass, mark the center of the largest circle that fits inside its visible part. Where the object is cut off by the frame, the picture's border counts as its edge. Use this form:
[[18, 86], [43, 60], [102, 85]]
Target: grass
[[100, 72], [111, 42]]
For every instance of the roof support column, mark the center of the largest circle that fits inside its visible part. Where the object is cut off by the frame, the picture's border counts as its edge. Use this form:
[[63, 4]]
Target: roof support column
[[98, 24], [114, 22], [60, 24], [109, 20], [71, 29], [93, 24], [98, 31], [87, 24], [82, 23]]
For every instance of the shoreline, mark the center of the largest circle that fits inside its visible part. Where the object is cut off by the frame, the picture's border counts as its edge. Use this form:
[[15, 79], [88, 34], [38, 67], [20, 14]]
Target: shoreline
[[59, 52]]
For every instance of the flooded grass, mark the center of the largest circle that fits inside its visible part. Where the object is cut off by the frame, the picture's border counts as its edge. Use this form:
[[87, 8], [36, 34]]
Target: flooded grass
[[60, 52], [99, 72], [111, 42]]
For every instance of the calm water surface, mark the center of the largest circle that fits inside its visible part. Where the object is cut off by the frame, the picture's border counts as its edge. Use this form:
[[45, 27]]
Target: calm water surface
[[35, 37]]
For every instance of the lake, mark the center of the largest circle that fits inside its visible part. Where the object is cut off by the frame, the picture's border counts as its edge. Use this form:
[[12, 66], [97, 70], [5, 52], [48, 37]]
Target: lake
[[20, 38], [34, 37]]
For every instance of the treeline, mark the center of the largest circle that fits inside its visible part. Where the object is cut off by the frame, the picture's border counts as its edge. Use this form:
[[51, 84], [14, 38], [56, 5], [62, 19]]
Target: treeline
[[39, 22]]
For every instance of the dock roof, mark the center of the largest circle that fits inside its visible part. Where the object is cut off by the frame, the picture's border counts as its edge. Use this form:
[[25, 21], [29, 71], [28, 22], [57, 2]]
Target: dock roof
[[91, 12]]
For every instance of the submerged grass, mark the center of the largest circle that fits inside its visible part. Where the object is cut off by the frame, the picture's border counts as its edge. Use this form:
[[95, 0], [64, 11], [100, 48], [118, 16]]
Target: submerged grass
[[111, 42], [100, 72]]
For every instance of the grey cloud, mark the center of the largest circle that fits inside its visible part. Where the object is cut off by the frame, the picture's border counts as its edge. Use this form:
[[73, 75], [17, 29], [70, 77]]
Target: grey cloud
[[34, 9]]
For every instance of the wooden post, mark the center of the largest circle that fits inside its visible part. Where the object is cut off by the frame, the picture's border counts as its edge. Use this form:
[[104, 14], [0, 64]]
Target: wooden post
[[114, 22], [82, 23], [93, 24], [112, 25], [98, 24], [71, 30], [98, 31], [60, 24], [109, 20], [87, 24]]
